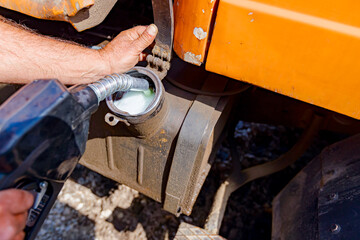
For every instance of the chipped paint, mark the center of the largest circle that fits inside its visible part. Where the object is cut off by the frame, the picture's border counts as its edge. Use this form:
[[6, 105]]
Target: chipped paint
[[252, 20], [250, 13], [51, 10], [192, 58], [199, 33], [193, 21]]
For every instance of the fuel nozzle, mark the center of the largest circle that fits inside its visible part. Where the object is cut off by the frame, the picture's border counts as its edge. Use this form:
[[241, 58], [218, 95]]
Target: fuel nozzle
[[117, 82]]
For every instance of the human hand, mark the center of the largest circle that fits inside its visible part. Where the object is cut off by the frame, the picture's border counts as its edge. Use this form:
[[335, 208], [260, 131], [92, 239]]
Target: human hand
[[14, 205], [126, 50]]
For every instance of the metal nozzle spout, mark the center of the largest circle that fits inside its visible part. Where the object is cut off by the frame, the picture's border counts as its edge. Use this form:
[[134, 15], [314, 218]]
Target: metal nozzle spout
[[117, 82]]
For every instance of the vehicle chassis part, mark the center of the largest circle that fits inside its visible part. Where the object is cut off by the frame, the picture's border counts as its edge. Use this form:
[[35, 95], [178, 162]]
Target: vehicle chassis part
[[171, 164], [322, 201]]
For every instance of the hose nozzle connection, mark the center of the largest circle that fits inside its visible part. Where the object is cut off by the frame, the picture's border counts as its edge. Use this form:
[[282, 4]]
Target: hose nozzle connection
[[117, 82]]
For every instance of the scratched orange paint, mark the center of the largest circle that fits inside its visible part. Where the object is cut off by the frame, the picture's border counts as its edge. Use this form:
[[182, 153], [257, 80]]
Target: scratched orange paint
[[190, 14], [53, 10], [306, 50]]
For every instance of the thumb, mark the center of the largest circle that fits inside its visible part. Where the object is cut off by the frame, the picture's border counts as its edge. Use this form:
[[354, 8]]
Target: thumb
[[146, 38]]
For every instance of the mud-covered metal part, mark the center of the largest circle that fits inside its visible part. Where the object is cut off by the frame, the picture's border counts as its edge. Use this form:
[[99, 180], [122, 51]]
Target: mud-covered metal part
[[159, 61], [190, 162], [188, 231], [240, 177], [145, 162], [322, 201], [92, 16], [82, 14]]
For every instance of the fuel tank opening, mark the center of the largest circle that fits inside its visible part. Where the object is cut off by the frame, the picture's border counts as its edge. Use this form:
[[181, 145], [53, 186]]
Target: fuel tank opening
[[141, 111], [134, 102]]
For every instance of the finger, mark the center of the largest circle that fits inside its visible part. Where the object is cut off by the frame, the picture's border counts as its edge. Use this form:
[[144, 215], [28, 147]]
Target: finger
[[135, 32], [9, 227], [142, 56], [145, 39], [19, 236], [20, 220], [140, 30], [16, 201]]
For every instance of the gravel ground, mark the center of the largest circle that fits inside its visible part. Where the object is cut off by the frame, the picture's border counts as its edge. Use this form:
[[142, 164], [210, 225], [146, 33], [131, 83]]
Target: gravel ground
[[91, 206]]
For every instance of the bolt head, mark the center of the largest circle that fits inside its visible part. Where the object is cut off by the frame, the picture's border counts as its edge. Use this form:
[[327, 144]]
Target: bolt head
[[335, 228], [43, 184], [333, 196]]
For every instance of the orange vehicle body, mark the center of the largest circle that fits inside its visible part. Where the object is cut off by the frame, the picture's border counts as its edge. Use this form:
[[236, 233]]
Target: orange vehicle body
[[53, 10], [305, 50]]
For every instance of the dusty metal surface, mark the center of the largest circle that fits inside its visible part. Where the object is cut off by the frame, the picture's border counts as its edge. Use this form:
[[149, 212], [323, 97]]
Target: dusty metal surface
[[159, 61], [322, 198], [82, 14], [339, 195], [193, 147], [187, 231], [92, 16], [151, 163]]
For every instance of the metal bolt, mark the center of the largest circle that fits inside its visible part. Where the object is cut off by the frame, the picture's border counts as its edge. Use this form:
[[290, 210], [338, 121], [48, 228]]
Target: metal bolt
[[333, 196], [43, 185], [335, 228]]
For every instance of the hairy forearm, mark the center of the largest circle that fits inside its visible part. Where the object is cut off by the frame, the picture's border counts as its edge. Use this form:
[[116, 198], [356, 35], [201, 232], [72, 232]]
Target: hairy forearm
[[26, 56]]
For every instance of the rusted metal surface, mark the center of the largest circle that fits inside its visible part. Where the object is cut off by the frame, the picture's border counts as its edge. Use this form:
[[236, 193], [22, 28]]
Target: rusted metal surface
[[187, 231], [82, 14], [240, 177], [322, 197]]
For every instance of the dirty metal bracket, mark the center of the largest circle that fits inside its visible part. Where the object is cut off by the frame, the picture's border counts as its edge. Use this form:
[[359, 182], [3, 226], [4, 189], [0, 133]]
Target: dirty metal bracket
[[193, 147], [339, 196], [322, 201], [159, 60]]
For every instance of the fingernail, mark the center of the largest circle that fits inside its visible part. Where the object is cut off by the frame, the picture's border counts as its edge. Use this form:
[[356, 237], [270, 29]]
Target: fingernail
[[152, 29]]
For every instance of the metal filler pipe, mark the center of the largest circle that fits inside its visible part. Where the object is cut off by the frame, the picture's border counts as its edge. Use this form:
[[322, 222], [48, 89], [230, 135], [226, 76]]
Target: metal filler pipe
[[113, 83]]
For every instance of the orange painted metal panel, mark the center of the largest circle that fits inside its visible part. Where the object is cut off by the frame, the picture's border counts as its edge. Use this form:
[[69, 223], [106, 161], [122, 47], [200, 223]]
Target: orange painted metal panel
[[308, 50], [192, 26], [47, 9]]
